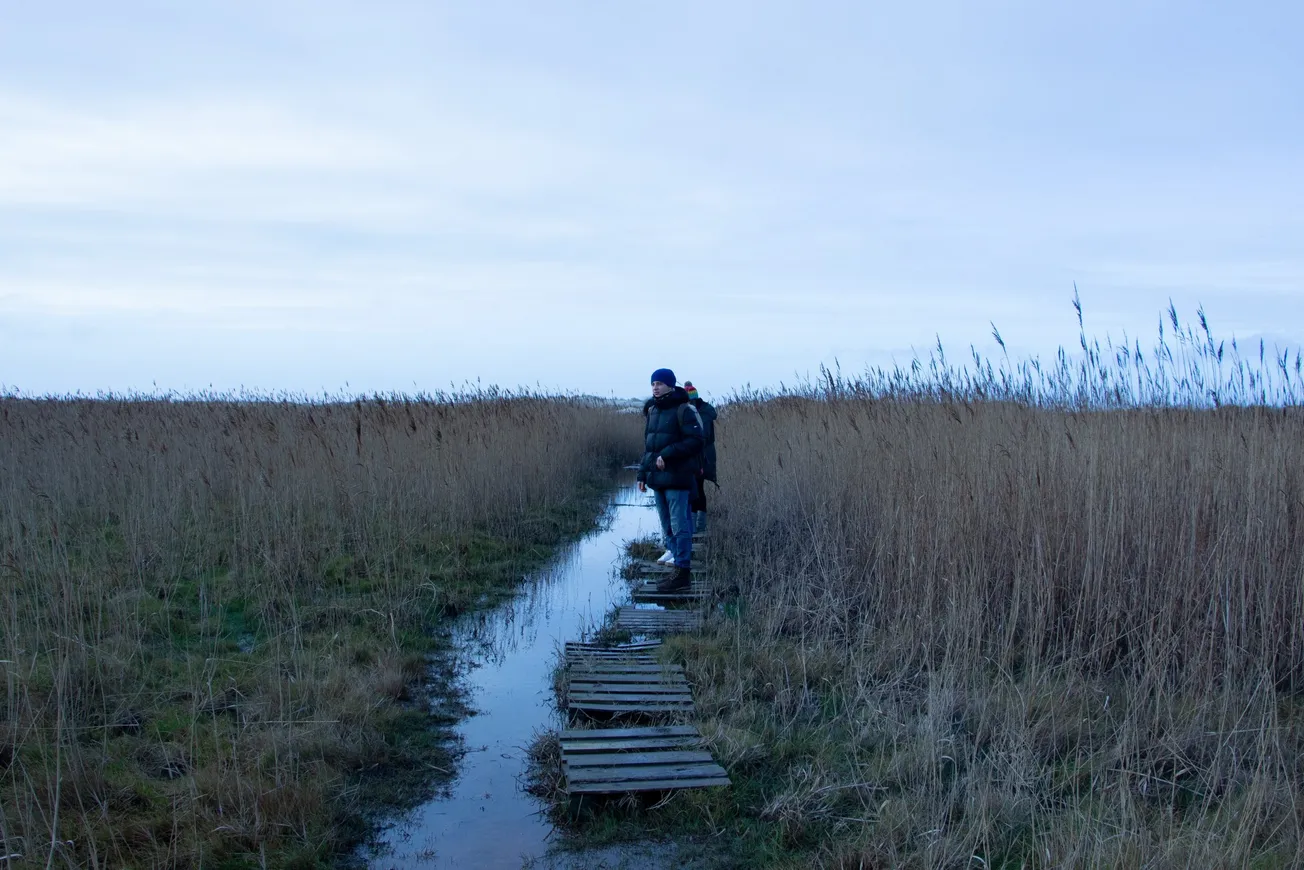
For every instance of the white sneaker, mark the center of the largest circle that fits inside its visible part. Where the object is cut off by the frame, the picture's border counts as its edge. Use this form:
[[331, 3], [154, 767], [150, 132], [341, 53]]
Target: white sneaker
[[666, 558]]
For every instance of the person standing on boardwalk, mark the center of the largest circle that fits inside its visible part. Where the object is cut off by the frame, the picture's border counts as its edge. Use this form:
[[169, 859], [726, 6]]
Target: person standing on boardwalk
[[672, 449], [706, 471]]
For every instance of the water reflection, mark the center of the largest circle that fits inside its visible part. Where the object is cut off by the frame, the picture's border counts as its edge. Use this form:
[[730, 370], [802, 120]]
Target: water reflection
[[483, 818], [490, 636]]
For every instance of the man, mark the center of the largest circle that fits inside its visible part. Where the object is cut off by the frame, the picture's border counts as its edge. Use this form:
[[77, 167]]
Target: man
[[706, 472], [672, 445]]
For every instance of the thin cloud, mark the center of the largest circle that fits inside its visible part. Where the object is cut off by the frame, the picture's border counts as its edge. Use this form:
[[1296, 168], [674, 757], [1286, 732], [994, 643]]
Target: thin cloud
[[441, 193]]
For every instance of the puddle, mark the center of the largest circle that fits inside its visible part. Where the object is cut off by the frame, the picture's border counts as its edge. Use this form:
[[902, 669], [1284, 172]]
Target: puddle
[[484, 818]]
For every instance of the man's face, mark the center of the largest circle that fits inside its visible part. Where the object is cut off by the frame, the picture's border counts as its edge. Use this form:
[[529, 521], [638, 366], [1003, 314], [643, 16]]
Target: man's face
[[659, 389]]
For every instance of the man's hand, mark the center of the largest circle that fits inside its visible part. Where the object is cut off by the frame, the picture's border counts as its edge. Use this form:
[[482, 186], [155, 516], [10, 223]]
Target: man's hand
[[642, 487], [661, 464]]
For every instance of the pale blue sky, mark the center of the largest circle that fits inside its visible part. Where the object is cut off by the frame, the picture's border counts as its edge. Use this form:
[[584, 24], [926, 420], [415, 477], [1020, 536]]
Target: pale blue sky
[[404, 196]]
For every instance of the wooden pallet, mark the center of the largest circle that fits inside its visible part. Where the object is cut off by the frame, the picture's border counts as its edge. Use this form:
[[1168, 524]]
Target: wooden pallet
[[647, 621], [612, 657], [610, 650], [623, 679], [647, 592], [626, 760], [614, 688]]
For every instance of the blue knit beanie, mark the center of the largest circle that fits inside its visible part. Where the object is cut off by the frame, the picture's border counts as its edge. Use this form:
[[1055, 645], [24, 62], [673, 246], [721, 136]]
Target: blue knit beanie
[[665, 376]]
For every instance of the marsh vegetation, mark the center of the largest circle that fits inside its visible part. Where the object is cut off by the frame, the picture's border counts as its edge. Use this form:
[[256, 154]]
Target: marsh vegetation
[[995, 614], [217, 615], [1008, 615]]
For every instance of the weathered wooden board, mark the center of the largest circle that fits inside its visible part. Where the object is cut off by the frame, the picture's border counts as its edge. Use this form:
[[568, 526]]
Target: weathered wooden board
[[611, 660], [625, 760], [631, 658], [717, 777], [644, 568], [611, 677], [655, 695], [640, 744], [618, 655], [647, 592], [612, 649], [583, 735], [623, 679], [666, 676], [596, 693], [600, 656], [638, 703], [625, 673], [612, 665], [657, 621], [656, 615], [641, 756], [607, 767], [634, 686]]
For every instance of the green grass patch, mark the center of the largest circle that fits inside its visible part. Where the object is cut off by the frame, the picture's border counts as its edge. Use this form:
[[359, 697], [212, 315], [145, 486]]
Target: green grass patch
[[239, 721]]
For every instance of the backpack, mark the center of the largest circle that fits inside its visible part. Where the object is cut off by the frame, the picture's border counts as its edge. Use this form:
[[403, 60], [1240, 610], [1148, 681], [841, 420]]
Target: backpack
[[679, 415]]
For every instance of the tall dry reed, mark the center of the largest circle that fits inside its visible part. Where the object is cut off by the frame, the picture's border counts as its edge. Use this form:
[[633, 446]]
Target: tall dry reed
[[994, 617], [185, 583]]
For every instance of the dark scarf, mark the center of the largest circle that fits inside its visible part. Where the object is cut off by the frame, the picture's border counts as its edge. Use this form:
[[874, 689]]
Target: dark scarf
[[673, 399]]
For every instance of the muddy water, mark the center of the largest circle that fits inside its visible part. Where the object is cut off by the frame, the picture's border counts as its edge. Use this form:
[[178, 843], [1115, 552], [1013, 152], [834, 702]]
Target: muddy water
[[484, 818]]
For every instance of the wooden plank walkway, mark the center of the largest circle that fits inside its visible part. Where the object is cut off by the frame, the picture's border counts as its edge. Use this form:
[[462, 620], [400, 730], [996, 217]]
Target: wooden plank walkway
[[624, 680], [620, 679], [625, 760], [640, 620]]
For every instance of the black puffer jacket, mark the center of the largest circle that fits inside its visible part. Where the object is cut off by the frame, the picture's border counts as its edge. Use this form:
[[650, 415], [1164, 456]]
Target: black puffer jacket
[[707, 412], [675, 436]]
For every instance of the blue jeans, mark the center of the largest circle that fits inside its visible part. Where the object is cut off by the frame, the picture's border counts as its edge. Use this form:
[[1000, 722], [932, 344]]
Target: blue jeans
[[676, 523]]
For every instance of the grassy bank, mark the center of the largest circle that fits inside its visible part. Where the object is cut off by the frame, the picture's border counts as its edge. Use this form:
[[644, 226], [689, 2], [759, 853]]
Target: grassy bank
[[216, 616]]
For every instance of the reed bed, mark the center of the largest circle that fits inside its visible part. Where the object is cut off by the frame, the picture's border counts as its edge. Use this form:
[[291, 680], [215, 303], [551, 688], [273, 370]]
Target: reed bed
[[1015, 615], [215, 612]]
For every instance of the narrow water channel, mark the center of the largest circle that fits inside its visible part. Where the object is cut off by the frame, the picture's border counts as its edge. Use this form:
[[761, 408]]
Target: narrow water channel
[[485, 819]]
